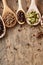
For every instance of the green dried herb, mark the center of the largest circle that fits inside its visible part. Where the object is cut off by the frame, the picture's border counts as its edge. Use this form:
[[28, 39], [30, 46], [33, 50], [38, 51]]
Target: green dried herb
[[32, 17]]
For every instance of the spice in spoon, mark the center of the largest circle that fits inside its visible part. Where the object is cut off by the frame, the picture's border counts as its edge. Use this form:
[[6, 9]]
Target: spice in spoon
[[9, 19], [32, 17], [21, 16], [1, 27], [42, 21]]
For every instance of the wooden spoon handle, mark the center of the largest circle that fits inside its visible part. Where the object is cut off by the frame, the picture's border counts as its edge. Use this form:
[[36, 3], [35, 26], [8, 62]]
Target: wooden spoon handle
[[4, 3], [32, 6], [32, 2], [19, 3]]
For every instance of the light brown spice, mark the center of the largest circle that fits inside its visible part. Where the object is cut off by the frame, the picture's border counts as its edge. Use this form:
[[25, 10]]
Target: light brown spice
[[9, 19]]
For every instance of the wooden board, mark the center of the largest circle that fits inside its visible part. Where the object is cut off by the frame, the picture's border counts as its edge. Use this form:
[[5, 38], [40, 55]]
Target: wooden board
[[20, 46]]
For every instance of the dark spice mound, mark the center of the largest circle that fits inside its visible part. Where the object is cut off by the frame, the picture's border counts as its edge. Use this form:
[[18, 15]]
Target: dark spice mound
[[9, 19], [21, 16], [1, 27]]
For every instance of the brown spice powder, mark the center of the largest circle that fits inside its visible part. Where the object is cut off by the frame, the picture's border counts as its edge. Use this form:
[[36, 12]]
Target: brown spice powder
[[9, 19]]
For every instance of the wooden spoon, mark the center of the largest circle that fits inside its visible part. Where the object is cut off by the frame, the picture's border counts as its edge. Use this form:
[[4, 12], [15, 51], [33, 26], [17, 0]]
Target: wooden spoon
[[42, 21], [33, 7], [8, 15], [20, 14], [2, 28]]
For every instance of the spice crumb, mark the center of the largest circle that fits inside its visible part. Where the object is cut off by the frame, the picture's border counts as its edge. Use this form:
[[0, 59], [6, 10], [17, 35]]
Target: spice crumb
[[15, 48], [40, 35], [39, 50], [28, 44], [19, 30], [27, 8]]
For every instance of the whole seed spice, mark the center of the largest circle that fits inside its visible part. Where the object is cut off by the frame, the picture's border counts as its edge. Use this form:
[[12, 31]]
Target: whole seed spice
[[42, 21], [9, 19], [21, 16], [1, 27], [32, 17]]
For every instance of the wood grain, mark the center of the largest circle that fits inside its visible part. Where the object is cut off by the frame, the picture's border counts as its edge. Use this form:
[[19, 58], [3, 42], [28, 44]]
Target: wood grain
[[20, 45]]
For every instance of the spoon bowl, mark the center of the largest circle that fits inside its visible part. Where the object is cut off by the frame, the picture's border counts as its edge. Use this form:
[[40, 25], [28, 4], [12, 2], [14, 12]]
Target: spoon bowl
[[8, 15], [20, 13], [2, 28], [42, 21], [33, 7]]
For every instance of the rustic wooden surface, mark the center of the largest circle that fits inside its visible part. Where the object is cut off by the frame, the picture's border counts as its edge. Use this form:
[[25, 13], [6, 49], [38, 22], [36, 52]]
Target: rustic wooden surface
[[20, 45]]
